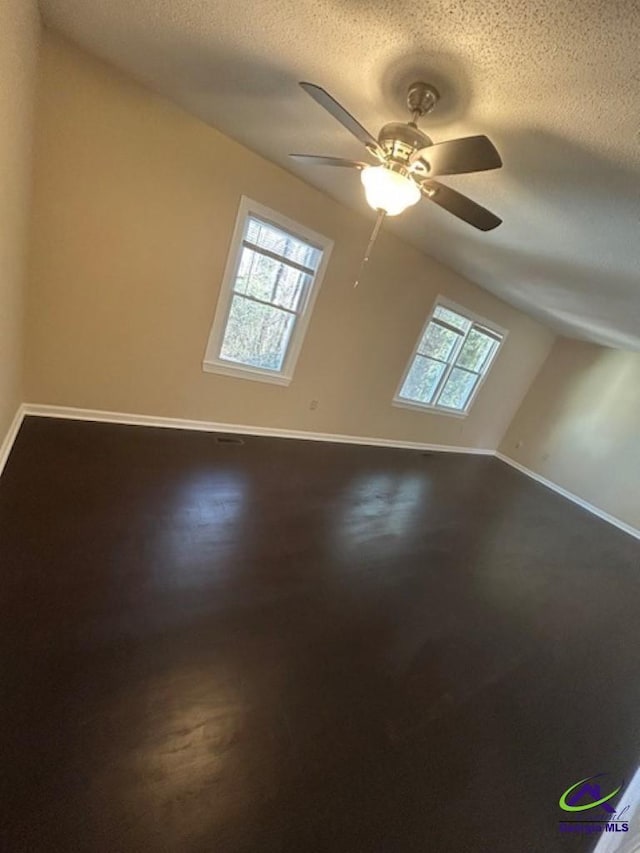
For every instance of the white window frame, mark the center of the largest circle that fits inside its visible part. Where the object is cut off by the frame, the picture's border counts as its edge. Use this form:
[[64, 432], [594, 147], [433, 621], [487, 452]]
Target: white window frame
[[212, 362], [476, 320]]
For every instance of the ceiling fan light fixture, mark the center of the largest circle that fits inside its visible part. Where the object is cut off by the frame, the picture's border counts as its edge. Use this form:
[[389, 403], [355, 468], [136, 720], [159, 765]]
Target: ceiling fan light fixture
[[388, 190]]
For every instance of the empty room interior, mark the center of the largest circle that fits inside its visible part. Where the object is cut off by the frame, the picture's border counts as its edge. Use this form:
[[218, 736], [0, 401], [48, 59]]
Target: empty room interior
[[320, 426]]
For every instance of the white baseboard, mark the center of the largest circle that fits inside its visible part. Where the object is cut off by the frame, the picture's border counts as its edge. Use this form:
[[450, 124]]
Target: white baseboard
[[605, 516], [70, 413], [7, 445]]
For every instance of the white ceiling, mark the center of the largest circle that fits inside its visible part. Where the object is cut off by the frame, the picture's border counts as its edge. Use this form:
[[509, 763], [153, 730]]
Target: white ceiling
[[554, 83]]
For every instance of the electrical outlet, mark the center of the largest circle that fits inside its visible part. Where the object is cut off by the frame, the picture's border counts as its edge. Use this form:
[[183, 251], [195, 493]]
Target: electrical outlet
[[519, 444], [313, 405]]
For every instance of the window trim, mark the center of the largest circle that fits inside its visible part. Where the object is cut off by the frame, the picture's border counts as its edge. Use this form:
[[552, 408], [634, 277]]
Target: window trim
[[212, 363], [476, 319]]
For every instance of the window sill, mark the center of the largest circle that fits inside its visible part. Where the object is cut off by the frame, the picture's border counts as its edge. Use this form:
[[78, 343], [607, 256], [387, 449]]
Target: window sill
[[431, 410], [241, 372]]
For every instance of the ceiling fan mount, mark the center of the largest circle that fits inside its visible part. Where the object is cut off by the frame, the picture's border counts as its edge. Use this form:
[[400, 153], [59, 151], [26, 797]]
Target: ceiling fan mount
[[421, 99]]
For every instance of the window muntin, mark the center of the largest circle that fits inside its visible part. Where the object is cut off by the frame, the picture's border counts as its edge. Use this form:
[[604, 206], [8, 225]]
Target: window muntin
[[267, 295], [453, 355]]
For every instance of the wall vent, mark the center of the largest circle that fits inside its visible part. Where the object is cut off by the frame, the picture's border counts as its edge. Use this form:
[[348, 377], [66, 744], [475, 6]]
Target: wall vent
[[229, 439]]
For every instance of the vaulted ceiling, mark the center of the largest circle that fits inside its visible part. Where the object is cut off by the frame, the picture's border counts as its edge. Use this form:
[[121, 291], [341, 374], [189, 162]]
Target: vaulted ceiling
[[554, 83]]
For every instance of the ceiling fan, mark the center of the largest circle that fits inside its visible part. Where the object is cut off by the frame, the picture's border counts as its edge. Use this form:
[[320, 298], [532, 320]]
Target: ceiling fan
[[408, 161]]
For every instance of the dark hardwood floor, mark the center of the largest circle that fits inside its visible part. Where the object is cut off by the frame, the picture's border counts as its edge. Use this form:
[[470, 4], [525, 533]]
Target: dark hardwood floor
[[300, 647]]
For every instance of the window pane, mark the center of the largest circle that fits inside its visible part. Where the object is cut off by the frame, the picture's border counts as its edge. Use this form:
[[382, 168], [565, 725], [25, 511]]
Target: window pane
[[438, 341], [476, 350], [457, 389], [452, 318], [269, 280], [275, 240], [256, 334], [422, 380]]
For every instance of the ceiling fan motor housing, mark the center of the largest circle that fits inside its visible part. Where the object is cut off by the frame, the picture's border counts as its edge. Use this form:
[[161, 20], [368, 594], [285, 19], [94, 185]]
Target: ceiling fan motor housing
[[399, 140]]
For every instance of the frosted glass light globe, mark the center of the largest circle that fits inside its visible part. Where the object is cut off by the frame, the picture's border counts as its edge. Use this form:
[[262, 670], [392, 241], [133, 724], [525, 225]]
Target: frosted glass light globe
[[389, 191]]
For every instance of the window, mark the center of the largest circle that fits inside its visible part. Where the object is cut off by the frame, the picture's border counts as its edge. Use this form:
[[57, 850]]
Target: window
[[272, 278], [454, 353]]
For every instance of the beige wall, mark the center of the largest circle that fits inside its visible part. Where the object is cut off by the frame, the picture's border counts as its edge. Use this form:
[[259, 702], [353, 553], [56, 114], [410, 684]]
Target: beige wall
[[19, 31], [135, 203], [579, 426]]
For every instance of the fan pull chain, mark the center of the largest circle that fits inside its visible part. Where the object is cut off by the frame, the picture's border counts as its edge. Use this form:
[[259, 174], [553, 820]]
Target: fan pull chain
[[372, 240]]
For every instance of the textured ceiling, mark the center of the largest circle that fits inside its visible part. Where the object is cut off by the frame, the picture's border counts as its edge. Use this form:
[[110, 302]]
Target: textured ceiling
[[554, 83]]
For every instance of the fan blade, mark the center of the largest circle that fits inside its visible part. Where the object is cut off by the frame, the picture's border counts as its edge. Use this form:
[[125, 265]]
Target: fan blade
[[471, 154], [338, 112], [460, 206], [314, 160]]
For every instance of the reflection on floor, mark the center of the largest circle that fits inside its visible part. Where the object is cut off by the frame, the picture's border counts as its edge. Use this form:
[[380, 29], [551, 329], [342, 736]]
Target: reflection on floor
[[293, 646]]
